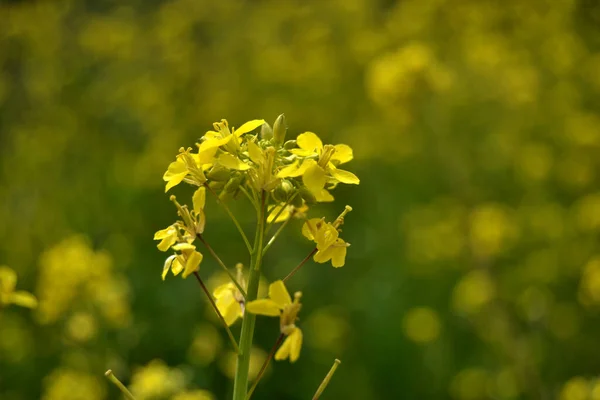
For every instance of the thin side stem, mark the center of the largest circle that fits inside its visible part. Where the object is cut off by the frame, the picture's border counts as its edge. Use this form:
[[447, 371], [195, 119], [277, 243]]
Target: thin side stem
[[235, 221], [252, 199], [325, 382], [265, 365], [221, 263], [292, 272], [214, 306], [240, 385], [274, 237], [115, 381]]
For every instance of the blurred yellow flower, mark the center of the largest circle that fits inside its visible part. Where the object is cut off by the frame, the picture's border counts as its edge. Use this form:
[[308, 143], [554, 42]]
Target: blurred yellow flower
[[279, 304], [422, 325], [229, 300], [8, 294], [187, 261]]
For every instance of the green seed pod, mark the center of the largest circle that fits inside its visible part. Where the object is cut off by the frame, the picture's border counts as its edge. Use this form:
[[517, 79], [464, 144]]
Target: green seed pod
[[290, 144], [308, 197], [279, 130], [266, 132], [218, 173]]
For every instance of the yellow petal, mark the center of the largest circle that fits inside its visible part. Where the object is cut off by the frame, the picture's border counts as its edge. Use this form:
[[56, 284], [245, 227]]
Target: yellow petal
[[336, 253], [309, 229], [249, 126], [256, 154], [323, 196], [289, 171], [231, 162], [213, 143], [314, 178], [231, 312], [310, 142], [199, 199], [223, 290], [326, 235], [204, 157], [284, 350], [176, 171], [343, 153], [167, 265], [295, 339], [274, 210], [263, 307], [184, 247], [344, 176], [192, 264], [8, 279], [24, 299], [177, 266], [279, 294]]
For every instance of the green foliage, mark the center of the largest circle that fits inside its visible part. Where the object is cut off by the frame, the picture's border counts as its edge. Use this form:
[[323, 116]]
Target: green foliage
[[473, 272]]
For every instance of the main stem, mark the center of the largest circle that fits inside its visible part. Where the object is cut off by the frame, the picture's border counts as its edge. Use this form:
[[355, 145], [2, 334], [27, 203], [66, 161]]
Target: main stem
[[240, 385]]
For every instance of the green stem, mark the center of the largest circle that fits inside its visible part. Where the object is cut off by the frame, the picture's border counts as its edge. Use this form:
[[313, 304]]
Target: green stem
[[240, 385], [325, 382], [272, 240], [115, 381], [252, 199], [222, 264], [214, 306], [235, 221]]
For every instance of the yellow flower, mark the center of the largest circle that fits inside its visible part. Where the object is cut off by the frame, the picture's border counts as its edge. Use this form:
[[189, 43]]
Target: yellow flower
[[329, 245], [288, 212], [8, 295], [187, 165], [280, 304], [167, 238], [229, 300], [319, 165], [187, 261]]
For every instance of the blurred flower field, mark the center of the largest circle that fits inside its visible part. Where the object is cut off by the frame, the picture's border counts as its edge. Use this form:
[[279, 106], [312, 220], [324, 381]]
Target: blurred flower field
[[474, 270]]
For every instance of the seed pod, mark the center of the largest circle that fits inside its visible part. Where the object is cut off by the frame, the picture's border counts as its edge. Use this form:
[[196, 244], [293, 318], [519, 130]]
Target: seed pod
[[279, 130]]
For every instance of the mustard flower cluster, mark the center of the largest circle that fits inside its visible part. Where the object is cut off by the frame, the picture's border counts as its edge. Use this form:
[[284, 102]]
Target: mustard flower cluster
[[281, 179]]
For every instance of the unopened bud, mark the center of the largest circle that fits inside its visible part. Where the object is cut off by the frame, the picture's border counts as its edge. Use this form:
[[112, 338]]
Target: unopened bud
[[279, 130], [218, 173], [266, 132], [290, 144]]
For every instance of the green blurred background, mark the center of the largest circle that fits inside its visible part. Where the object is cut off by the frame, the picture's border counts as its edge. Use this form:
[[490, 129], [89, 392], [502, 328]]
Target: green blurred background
[[474, 270]]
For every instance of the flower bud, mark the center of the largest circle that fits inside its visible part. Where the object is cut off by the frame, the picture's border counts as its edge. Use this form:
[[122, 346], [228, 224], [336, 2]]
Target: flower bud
[[218, 173], [283, 190], [308, 197], [290, 144], [279, 130], [266, 132]]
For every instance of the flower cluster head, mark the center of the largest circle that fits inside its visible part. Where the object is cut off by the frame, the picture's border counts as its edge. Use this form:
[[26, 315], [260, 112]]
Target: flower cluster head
[[8, 294], [280, 304], [227, 159]]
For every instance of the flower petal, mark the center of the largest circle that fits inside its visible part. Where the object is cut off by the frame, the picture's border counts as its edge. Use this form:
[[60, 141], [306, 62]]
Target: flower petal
[[279, 294], [284, 350], [274, 210], [199, 199], [343, 153], [323, 196], [192, 264], [167, 265], [310, 228], [295, 339], [255, 153], [175, 173], [314, 178], [249, 126], [231, 162], [263, 307], [213, 143], [309, 141], [177, 266], [344, 176]]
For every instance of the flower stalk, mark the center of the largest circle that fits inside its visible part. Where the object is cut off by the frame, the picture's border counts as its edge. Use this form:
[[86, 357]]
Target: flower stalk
[[115, 381], [326, 380]]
